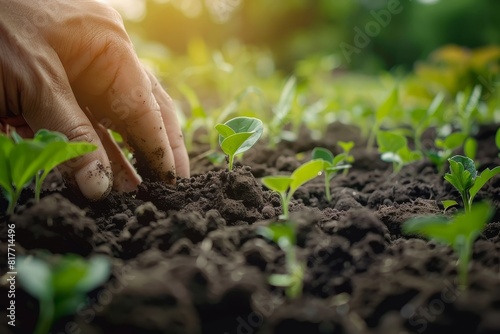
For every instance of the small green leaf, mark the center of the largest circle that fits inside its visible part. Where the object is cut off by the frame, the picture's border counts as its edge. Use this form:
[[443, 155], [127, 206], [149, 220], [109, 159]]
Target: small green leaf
[[448, 203], [24, 162], [470, 148], [305, 173], [35, 277], [47, 136], [6, 146], [390, 142], [232, 144], [454, 140], [248, 125], [458, 177], [467, 163], [224, 130], [346, 146], [386, 107], [281, 280], [481, 180], [322, 153], [284, 105], [281, 233], [98, 272], [277, 183]]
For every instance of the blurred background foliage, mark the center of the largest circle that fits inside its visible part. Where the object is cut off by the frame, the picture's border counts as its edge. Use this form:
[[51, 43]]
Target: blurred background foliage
[[294, 29], [223, 57]]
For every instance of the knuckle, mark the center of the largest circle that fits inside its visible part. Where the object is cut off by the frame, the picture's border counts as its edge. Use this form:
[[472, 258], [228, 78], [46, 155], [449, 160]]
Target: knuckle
[[81, 133]]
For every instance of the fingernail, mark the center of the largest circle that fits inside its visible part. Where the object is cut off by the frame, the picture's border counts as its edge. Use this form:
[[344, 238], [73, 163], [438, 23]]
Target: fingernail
[[93, 180]]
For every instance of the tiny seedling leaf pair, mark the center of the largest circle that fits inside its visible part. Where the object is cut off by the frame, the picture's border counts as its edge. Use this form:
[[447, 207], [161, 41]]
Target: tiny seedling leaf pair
[[466, 179], [61, 286], [458, 232], [238, 135], [331, 165], [394, 148], [21, 160], [286, 186]]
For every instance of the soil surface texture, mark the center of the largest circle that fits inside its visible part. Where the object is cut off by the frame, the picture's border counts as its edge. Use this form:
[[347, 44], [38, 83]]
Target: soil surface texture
[[187, 258]]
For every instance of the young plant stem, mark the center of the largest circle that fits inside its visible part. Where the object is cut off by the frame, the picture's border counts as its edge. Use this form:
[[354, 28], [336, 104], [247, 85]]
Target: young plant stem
[[45, 317], [466, 200], [12, 204], [284, 205], [231, 161], [328, 194], [38, 187], [464, 257]]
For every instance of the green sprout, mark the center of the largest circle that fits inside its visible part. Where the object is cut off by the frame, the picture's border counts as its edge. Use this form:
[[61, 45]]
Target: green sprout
[[470, 148], [346, 147], [381, 114], [21, 160], [284, 235], [238, 135], [445, 148], [394, 148], [61, 286], [331, 165], [286, 186], [459, 233], [465, 178]]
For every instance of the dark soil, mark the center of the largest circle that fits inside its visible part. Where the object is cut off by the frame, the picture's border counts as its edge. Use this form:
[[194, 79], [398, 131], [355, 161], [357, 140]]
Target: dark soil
[[187, 258]]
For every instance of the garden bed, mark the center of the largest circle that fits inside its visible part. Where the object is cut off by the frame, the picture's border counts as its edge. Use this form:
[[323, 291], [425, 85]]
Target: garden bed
[[187, 258]]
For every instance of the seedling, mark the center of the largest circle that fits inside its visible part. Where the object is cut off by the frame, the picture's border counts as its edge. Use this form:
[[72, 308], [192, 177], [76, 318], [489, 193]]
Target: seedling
[[21, 160], [286, 186], [331, 165], [421, 119], [346, 147], [381, 114], [470, 148], [445, 148], [238, 135], [459, 233], [281, 111], [61, 287], [284, 235], [394, 148], [465, 178]]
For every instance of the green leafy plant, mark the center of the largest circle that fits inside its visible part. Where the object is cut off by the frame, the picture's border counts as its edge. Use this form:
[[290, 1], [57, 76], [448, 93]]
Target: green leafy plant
[[465, 178], [238, 135], [467, 103], [470, 148], [60, 284], [394, 148], [346, 147], [284, 234], [286, 186], [381, 114], [421, 119], [281, 111], [458, 232], [444, 149], [331, 165], [21, 160]]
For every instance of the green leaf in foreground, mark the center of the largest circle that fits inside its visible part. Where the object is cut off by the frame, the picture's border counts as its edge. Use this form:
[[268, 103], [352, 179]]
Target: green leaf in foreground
[[61, 285], [284, 234], [238, 135], [285, 186], [458, 232]]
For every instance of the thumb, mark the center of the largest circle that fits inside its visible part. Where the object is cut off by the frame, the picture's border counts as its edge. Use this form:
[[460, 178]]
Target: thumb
[[91, 172]]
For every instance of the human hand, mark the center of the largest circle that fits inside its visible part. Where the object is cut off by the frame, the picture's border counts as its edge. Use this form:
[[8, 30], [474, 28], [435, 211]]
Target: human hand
[[69, 66]]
